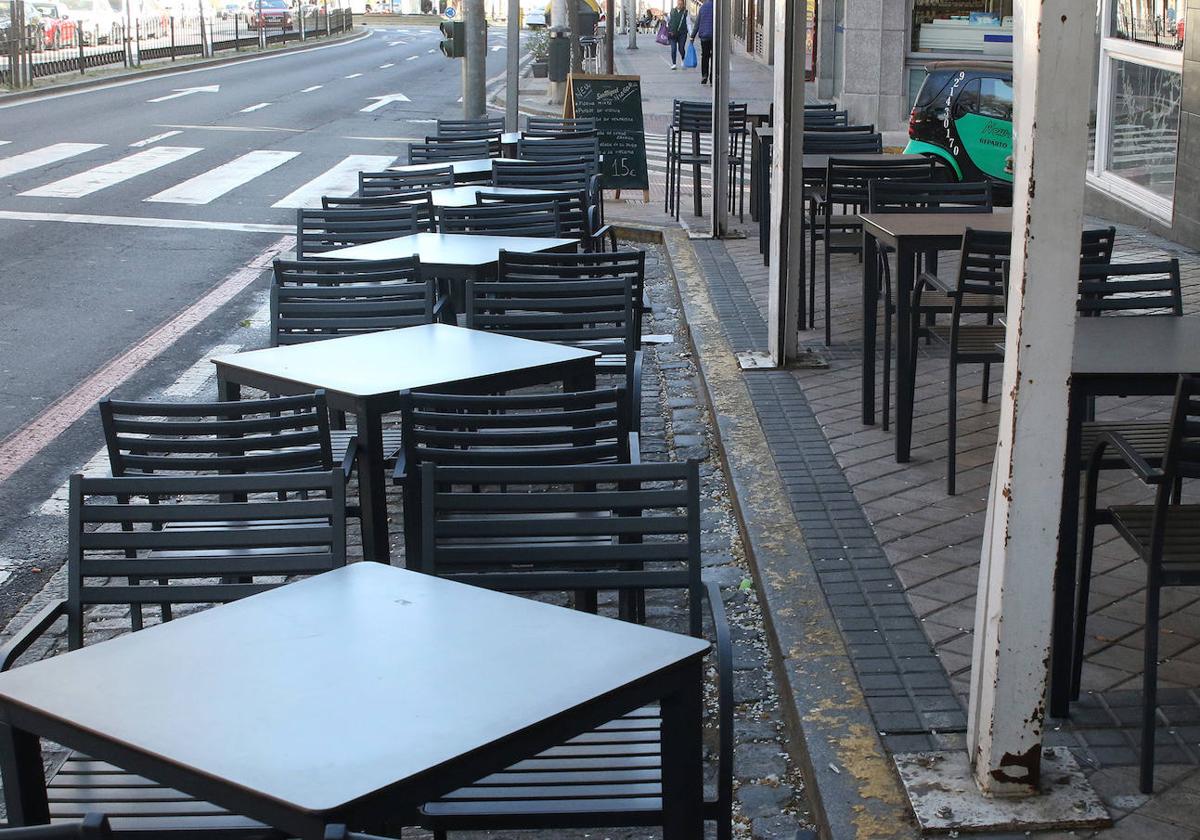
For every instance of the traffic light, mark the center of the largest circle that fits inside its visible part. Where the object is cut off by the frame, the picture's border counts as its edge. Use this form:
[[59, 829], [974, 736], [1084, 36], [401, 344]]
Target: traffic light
[[454, 38]]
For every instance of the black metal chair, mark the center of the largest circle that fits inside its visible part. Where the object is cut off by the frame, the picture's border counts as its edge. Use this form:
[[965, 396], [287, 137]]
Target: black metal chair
[[837, 128], [318, 231], [91, 827], [842, 143], [571, 529], [558, 126], [523, 267], [846, 189], [540, 219], [981, 275], [573, 149], [825, 117], [810, 107], [558, 176], [468, 128], [173, 529], [691, 120], [446, 151], [574, 220], [594, 314], [1165, 535], [916, 197], [390, 183], [507, 430], [300, 314], [426, 215], [739, 136]]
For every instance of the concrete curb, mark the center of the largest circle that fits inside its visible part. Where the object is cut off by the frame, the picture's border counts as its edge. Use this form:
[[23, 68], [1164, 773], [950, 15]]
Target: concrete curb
[[850, 780], [174, 67]]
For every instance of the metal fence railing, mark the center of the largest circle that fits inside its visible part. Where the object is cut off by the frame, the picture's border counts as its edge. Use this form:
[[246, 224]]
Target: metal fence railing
[[40, 47]]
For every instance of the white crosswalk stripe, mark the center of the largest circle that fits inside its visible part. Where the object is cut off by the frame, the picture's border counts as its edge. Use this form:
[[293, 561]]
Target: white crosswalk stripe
[[211, 185], [4, 142], [341, 179], [44, 157], [108, 174]]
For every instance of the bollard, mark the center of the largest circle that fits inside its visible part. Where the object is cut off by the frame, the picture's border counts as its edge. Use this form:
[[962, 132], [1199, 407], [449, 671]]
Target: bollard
[[558, 57]]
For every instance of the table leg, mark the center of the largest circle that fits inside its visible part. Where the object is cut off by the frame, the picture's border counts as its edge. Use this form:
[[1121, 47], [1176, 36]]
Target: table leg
[[754, 186], [24, 777], [870, 314], [682, 758], [228, 391], [697, 202], [902, 296], [372, 488], [1061, 646]]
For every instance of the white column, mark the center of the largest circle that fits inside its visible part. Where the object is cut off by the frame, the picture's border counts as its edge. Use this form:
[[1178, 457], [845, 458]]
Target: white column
[[787, 182], [1052, 72], [722, 36]]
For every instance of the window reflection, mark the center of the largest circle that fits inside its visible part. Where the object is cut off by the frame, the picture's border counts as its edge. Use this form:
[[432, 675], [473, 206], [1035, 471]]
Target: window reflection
[[1144, 125], [1157, 22]]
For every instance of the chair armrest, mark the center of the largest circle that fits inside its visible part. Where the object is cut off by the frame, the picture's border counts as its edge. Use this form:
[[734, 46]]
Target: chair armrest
[[601, 233], [635, 448], [932, 281], [350, 458], [720, 622], [31, 632], [1127, 453], [635, 394], [400, 472]]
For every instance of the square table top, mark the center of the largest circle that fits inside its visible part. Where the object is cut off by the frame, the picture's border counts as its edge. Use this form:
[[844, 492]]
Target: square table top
[[940, 225], [321, 692], [1121, 345], [392, 361], [474, 166], [457, 249], [469, 195]]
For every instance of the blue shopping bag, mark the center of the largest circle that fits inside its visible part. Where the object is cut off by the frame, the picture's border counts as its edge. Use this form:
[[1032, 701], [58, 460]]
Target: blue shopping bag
[[689, 58]]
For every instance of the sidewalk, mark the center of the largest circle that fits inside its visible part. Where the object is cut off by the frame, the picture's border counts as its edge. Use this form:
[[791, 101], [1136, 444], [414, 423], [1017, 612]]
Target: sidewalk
[[868, 570]]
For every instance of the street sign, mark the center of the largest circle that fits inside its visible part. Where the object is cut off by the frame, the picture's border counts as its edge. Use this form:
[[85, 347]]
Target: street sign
[[450, 12]]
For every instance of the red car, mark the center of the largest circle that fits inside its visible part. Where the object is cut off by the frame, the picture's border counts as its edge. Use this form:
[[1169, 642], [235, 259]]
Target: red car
[[271, 14], [59, 29]]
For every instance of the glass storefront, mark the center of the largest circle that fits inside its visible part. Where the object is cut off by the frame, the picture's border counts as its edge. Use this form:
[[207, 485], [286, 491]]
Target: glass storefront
[[980, 27], [1155, 22]]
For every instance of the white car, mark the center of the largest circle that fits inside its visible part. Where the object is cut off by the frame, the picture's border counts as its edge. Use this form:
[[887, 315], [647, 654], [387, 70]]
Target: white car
[[535, 19]]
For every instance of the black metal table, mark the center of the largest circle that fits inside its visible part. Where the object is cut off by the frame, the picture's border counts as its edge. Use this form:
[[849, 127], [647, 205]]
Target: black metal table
[[353, 697], [1114, 356], [366, 374], [908, 234], [465, 171]]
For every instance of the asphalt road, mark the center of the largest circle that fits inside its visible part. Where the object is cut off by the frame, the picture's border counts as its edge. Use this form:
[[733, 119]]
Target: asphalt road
[[122, 206]]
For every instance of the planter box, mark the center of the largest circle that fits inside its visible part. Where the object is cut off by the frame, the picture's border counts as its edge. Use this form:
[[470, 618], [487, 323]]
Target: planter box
[[540, 69]]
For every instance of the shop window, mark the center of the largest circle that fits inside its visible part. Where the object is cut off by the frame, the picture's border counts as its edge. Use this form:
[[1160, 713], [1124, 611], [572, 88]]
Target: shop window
[[1156, 22], [981, 27]]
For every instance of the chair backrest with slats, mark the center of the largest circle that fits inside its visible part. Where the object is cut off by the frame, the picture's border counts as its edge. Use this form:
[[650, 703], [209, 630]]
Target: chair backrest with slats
[[544, 175], [300, 314], [1096, 245], [390, 183], [842, 143], [593, 314], [426, 216], [281, 434], [572, 528], [832, 128], [983, 262], [540, 219], [572, 208], [347, 272], [826, 117], [910, 196], [584, 149], [91, 827], [847, 181], [318, 231], [442, 152], [558, 126], [1182, 457], [1147, 288], [179, 540], [468, 128]]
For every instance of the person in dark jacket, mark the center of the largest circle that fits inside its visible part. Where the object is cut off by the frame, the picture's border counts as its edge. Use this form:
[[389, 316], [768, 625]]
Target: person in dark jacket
[[677, 31], [704, 31]]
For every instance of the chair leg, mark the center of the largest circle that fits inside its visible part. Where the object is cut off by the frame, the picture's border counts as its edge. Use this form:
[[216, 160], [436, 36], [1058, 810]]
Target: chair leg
[[828, 267], [884, 274], [440, 834], [951, 426], [1083, 586], [1149, 682], [828, 309], [987, 375]]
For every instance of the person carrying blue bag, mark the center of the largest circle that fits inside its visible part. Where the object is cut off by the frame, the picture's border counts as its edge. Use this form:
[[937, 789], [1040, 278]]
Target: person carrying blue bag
[[704, 31], [677, 32]]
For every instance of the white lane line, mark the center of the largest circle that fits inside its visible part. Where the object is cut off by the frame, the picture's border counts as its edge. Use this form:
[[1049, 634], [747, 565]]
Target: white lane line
[[431, 52], [386, 66], [341, 179], [142, 143], [214, 183], [311, 89], [387, 139], [257, 107], [108, 174], [412, 58], [6, 142], [236, 127], [44, 157], [144, 222], [352, 76]]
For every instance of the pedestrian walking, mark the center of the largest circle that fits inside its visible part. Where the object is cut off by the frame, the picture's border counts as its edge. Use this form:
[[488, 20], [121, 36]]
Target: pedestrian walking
[[704, 31], [677, 31]]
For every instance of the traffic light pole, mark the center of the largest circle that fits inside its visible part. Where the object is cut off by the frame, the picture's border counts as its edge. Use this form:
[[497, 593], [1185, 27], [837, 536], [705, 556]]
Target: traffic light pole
[[512, 88], [475, 60]]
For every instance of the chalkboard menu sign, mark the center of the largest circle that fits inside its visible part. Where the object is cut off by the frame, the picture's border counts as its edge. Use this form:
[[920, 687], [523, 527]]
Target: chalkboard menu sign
[[615, 103]]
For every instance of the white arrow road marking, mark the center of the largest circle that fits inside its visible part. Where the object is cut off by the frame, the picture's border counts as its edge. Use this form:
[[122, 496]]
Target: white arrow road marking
[[396, 43], [187, 92], [421, 121], [380, 101], [213, 184], [44, 157], [386, 66], [352, 76], [341, 179], [257, 107], [141, 143], [108, 174], [412, 58], [4, 142], [311, 89]]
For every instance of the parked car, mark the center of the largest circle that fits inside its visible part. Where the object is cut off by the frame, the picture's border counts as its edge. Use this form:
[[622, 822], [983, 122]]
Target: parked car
[[963, 117], [535, 19], [35, 35], [58, 28], [230, 10], [271, 14]]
